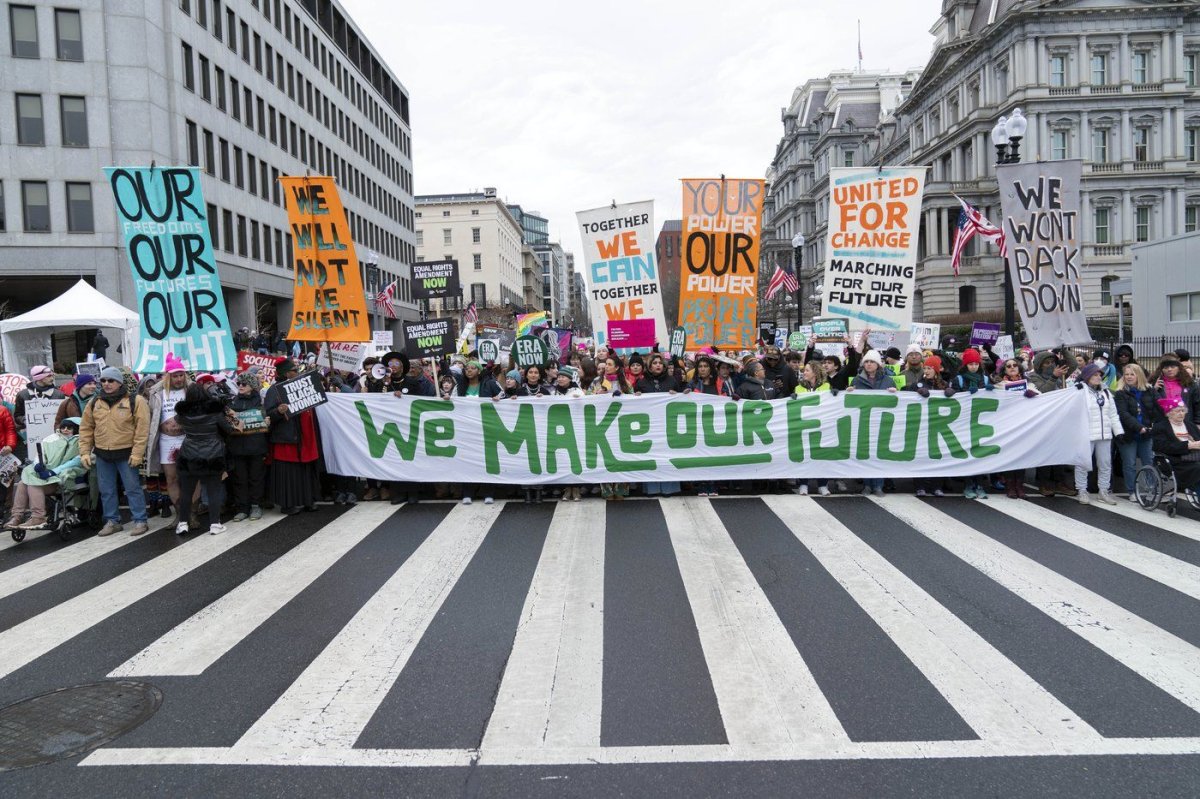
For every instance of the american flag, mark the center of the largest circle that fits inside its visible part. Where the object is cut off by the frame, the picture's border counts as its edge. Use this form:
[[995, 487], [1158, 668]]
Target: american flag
[[784, 277], [471, 315], [970, 224], [384, 299]]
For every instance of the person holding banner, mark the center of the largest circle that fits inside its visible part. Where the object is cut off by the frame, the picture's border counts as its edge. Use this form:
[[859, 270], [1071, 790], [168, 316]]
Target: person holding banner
[[812, 379], [531, 384], [657, 381], [1104, 425], [873, 377], [705, 380], [475, 382], [926, 385], [294, 447]]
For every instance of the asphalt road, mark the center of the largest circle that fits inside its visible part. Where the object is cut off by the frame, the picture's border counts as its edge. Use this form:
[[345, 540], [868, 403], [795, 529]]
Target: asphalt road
[[741, 646]]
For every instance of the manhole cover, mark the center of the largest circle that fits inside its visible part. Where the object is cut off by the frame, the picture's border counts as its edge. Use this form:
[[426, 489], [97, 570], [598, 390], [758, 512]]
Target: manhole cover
[[72, 721]]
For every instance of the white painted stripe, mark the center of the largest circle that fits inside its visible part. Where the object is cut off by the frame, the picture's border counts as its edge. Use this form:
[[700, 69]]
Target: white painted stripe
[[35, 637], [54, 563], [827, 750], [995, 697], [331, 702], [765, 690], [1169, 571], [198, 642], [6, 539], [550, 695], [1163, 659], [1180, 525]]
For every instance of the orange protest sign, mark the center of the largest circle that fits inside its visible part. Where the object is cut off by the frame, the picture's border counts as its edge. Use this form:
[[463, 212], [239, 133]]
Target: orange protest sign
[[718, 291], [329, 304]]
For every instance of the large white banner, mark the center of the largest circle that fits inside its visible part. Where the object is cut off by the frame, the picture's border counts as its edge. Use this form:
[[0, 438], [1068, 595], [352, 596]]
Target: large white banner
[[1040, 202], [871, 245], [622, 271], [699, 437]]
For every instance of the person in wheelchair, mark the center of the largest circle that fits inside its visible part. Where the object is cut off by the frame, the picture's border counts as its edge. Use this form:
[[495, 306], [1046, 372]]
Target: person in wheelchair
[[1178, 438], [57, 470]]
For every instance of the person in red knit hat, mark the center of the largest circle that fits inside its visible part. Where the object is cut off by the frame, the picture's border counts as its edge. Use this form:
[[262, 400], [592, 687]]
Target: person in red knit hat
[[971, 378]]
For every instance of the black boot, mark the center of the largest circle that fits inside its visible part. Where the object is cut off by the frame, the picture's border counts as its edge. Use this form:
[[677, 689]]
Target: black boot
[[529, 496]]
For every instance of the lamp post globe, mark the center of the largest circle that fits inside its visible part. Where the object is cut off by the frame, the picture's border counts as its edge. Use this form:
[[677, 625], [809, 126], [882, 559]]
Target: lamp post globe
[[1000, 139]]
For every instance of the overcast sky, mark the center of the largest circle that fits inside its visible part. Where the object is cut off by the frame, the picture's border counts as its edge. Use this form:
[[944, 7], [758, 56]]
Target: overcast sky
[[564, 106]]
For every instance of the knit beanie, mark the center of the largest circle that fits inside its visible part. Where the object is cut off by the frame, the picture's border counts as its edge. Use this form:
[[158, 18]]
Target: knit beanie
[[971, 356], [911, 349], [83, 380], [174, 364], [873, 355], [935, 363], [1087, 371], [112, 373]]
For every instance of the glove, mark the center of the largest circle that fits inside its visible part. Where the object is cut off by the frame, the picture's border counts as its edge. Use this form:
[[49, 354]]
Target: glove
[[972, 389], [1030, 393], [989, 387], [949, 391], [136, 461], [1079, 386], [41, 471], [88, 460], [923, 391]]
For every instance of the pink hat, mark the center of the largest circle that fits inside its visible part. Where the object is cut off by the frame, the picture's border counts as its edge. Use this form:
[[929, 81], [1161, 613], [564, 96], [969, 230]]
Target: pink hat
[[1169, 404], [205, 378], [39, 372], [174, 364]]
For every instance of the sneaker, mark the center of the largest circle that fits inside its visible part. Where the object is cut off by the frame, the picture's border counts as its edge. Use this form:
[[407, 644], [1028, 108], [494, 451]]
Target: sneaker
[[241, 517], [1107, 498], [255, 513], [466, 500], [980, 493], [879, 492], [488, 500], [840, 486], [371, 495], [920, 492], [937, 492], [713, 494], [702, 494], [803, 490], [866, 492], [351, 499], [1133, 498], [969, 493], [823, 491], [109, 528], [33, 523], [139, 528], [13, 522], [1083, 498], [216, 529], [339, 498], [181, 528]]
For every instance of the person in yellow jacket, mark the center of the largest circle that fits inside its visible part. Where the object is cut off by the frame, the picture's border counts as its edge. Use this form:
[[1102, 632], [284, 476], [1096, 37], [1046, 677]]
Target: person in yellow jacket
[[116, 426]]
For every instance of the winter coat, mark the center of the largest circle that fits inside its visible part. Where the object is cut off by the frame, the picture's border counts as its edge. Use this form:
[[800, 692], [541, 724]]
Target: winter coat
[[802, 388], [784, 373], [285, 429], [100, 345], [650, 384], [8, 429], [881, 382], [1129, 405], [205, 427], [60, 454], [420, 386], [526, 390], [752, 388], [247, 445], [910, 377], [1043, 379], [1187, 473], [841, 379], [718, 387], [32, 392], [1103, 421], [112, 427], [972, 381], [488, 387], [71, 406]]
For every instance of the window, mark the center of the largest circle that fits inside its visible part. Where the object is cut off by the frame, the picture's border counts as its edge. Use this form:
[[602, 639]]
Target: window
[[1141, 225], [1189, 70], [1058, 145], [35, 206], [227, 231], [1101, 226], [79, 208], [1141, 67], [1058, 70], [1100, 146], [214, 231], [475, 212], [235, 99], [1184, 307], [239, 176], [224, 160], [1141, 144], [477, 262], [966, 299], [255, 251], [475, 238], [445, 213], [189, 74], [847, 158], [210, 157], [30, 126], [74, 121], [220, 76], [1099, 69], [216, 13], [241, 234], [1106, 299], [231, 30], [446, 235], [69, 34], [1190, 214], [3, 222], [1189, 143], [420, 238], [22, 26], [251, 174], [205, 83]]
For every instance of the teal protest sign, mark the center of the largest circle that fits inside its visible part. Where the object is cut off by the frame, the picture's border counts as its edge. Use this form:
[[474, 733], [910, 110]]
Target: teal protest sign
[[162, 214]]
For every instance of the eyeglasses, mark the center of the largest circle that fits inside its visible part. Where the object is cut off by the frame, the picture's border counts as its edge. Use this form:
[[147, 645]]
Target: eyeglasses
[[1011, 364]]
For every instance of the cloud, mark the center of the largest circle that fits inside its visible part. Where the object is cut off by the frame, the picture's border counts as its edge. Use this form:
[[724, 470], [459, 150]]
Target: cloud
[[566, 106]]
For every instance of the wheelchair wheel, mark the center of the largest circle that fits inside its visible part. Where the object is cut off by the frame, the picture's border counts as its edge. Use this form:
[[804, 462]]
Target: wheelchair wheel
[[18, 535], [64, 527], [1148, 487], [1192, 498]]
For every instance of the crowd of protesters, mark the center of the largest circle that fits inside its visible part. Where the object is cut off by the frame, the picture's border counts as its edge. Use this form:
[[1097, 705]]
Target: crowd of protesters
[[196, 447]]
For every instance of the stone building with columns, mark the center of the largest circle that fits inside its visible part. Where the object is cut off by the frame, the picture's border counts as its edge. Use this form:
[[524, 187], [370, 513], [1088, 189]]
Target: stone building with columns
[[1113, 82]]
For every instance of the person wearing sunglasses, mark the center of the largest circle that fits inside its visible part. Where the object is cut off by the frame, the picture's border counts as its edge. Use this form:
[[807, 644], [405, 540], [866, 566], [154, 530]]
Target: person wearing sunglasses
[[113, 437], [1010, 374]]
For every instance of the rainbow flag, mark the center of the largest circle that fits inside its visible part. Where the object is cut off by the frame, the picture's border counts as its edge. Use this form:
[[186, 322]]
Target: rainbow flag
[[527, 322]]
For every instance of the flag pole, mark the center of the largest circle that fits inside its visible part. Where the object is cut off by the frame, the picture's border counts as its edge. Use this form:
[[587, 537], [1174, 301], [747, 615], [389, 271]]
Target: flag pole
[[860, 45]]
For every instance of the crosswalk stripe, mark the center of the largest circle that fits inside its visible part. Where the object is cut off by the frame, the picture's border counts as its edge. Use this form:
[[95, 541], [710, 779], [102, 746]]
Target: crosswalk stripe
[[1183, 577], [331, 702], [994, 696], [35, 637], [765, 691], [1168, 662], [54, 563], [198, 642], [550, 695], [7, 539], [1179, 525]]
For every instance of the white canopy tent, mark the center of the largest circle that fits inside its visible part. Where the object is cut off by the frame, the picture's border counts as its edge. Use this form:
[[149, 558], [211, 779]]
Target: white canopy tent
[[26, 338]]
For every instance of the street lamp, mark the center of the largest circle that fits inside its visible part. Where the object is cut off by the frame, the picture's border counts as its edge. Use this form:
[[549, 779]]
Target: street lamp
[[798, 256], [1006, 136]]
